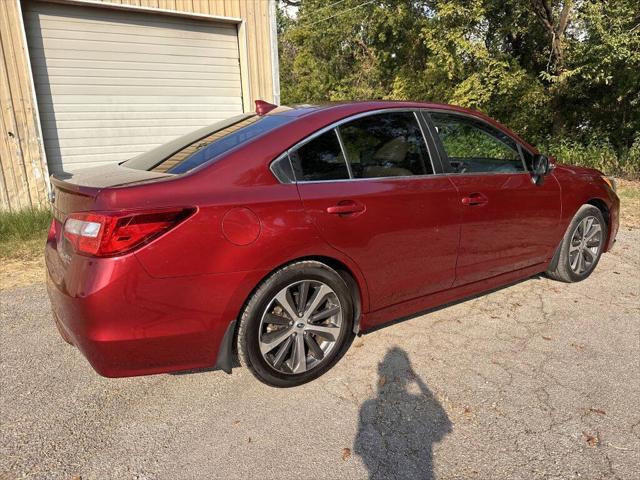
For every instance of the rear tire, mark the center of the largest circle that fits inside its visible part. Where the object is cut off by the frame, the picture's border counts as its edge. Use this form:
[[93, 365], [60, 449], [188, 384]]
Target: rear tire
[[296, 325], [581, 248]]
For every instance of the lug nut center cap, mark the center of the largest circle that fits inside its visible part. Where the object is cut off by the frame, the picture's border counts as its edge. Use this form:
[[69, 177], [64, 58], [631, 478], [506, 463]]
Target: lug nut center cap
[[300, 325]]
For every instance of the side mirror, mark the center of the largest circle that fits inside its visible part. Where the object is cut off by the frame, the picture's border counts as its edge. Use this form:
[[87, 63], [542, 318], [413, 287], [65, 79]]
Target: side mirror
[[541, 167]]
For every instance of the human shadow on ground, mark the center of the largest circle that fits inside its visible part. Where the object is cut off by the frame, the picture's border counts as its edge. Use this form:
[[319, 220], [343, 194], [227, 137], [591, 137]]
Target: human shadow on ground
[[397, 428]]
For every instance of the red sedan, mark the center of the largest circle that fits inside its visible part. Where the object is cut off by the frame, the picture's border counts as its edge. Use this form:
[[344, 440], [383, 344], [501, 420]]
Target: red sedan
[[282, 234]]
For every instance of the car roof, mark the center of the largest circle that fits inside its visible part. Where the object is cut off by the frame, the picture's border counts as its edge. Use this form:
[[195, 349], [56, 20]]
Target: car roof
[[358, 107]]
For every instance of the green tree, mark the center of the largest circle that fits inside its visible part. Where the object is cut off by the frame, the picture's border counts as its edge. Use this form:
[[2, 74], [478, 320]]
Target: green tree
[[548, 69]]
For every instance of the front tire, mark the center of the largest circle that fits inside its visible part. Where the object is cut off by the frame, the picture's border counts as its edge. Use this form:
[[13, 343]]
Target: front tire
[[581, 247], [296, 325]]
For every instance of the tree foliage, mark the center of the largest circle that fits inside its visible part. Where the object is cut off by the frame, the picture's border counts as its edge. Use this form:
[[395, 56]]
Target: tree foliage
[[548, 69]]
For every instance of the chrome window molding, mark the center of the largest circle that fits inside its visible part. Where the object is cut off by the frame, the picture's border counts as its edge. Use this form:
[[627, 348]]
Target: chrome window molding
[[344, 153], [334, 126], [519, 145], [273, 172], [416, 111], [417, 177], [426, 144]]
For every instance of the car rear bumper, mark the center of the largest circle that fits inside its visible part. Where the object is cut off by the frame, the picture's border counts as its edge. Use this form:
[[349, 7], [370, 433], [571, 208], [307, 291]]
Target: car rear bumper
[[127, 323]]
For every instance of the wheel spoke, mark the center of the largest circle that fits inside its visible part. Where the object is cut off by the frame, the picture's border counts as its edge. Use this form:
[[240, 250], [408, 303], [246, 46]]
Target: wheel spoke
[[299, 357], [329, 312], [575, 261], [314, 348], [590, 253], [276, 319], [593, 231], [573, 248], [303, 293], [580, 262], [329, 333], [271, 340], [285, 301], [281, 355], [588, 222], [319, 295]]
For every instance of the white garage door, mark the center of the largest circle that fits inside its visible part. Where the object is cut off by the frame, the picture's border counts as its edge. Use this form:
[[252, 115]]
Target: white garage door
[[113, 83]]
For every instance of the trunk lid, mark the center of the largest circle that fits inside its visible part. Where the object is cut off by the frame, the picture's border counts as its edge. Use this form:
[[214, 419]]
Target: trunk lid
[[77, 191]]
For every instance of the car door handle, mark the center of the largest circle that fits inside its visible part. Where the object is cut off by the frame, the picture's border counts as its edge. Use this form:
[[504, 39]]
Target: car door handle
[[475, 199], [346, 207]]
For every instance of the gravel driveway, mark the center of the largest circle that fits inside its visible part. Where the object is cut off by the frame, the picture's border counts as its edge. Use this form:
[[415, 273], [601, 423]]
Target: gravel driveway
[[538, 380]]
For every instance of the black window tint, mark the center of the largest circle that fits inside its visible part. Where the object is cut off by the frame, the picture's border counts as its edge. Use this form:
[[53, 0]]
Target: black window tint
[[386, 145], [320, 159], [281, 168], [191, 154], [473, 146]]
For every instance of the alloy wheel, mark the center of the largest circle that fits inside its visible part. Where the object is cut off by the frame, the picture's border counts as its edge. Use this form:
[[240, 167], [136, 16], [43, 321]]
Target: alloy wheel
[[585, 245], [300, 327]]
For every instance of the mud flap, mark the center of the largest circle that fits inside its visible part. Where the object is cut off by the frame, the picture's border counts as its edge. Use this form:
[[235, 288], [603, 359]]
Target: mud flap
[[225, 353]]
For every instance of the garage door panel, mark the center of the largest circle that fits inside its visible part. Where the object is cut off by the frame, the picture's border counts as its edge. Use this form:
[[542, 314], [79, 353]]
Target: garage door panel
[[156, 101], [100, 141], [75, 75], [121, 133], [112, 84], [178, 121], [137, 112], [111, 80], [108, 34], [55, 44], [96, 65], [225, 33], [144, 23], [78, 54], [111, 91], [86, 152]]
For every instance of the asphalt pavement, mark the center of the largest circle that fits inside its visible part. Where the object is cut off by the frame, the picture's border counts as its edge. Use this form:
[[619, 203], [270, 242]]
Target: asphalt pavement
[[540, 380]]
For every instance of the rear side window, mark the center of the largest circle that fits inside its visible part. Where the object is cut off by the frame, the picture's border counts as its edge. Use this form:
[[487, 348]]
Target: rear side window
[[473, 146], [386, 145], [190, 154], [320, 159]]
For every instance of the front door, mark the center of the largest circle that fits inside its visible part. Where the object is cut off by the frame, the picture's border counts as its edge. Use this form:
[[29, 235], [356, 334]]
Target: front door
[[508, 221], [370, 188]]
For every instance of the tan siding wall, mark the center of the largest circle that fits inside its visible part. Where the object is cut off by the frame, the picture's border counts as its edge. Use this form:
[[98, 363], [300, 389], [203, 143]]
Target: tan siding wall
[[23, 169]]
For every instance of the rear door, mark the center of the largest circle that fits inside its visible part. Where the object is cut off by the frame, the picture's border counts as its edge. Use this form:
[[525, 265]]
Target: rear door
[[369, 186], [508, 221]]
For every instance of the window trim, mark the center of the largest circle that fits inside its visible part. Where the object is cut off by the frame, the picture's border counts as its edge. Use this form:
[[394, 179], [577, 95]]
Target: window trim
[[446, 165], [278, 159], [334, 126]]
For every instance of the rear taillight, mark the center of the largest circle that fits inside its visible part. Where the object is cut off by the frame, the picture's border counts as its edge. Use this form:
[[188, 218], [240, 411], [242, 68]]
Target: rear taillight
[[108, 234]]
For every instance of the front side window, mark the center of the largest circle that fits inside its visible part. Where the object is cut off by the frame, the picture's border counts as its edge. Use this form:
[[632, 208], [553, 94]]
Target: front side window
[[473, 146], [385, 145], [320, 159]]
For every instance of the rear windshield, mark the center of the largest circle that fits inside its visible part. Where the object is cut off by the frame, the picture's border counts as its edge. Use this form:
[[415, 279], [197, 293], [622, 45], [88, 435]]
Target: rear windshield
[[194, 149]]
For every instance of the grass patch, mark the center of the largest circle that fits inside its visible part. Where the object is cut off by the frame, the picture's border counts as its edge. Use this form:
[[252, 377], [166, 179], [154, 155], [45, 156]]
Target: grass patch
[[629, 193], [599, 155], [22, 234]]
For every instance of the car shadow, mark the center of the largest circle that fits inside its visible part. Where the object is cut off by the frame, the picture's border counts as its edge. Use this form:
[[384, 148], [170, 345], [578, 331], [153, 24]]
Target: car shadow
[[398, 428], [235, 363], [450, 304]]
